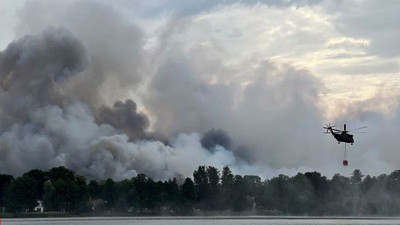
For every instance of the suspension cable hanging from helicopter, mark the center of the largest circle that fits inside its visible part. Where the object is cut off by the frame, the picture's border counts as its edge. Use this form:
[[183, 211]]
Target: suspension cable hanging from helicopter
[[345, 161]]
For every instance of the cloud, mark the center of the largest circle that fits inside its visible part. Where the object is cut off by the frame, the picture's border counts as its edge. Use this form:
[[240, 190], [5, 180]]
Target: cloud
[[96, 90], [270, 103], [213, 138], [124, 117], [33, 68], [44, 127], [113, 43], [376, 21]]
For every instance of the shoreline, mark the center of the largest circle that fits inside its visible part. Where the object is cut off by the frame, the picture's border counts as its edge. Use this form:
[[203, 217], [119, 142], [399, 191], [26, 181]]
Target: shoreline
[[60, 218]]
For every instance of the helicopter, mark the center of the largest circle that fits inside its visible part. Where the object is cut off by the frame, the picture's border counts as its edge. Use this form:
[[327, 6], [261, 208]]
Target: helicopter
[[342, 135]]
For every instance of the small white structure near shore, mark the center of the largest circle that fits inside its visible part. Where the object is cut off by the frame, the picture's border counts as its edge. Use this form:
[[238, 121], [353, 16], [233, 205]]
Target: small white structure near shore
[[39, 207]]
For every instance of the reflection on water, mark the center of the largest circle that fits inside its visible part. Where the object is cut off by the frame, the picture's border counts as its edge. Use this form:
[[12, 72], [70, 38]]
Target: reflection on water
[[200, 221]]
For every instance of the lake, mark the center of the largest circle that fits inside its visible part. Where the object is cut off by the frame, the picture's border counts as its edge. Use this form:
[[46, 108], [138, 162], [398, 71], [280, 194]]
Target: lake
[[201, 221]]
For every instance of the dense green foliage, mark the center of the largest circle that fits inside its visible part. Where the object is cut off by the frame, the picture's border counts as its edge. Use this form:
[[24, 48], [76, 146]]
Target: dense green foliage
[[209, 191]]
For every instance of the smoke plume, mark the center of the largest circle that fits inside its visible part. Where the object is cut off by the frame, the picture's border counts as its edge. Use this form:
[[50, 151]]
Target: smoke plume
[[43, 127], [124, 117], [94, 92], [214, 137], [57, 85]]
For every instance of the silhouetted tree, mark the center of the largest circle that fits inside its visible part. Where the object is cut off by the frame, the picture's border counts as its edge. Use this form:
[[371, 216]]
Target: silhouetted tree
[[61, 173], [95, 189], [170, 197], [279, 193], [303, 194], [147, 196], [188, 192], [320, 189], [40, 177], [202, 185], [109, 194], [227, 193], [67, 193], [213, 200], [339, 196], [21, 194], [356, 177], [5, 180]]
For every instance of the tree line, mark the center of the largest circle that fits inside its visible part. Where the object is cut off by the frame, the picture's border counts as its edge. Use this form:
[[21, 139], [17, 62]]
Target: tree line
[[209, 191]]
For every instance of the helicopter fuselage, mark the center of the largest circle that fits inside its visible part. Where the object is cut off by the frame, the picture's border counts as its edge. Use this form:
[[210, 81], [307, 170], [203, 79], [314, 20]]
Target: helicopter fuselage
[[343, 137]]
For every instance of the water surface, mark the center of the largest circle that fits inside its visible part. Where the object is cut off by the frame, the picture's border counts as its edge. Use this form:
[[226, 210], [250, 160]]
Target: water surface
[[201, 221]]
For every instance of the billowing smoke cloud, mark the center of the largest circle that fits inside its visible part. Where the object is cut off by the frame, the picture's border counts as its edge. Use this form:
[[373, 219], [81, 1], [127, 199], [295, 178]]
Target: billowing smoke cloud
[[32, 66], [60, 100], [92, 95], [260, 111], [215, 137], [32, 70], [44, 127], [124, 117], [114, 46]]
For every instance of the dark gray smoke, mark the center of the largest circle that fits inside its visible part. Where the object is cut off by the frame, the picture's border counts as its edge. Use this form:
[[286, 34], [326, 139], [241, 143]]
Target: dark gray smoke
[[32, 71], [44, 125], [114, 46], [124, 117], [278, 103], [80, 130], [59, 87], [216, 137]]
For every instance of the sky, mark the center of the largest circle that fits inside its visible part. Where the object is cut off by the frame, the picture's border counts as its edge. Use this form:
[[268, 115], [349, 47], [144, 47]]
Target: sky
[[117, 88]]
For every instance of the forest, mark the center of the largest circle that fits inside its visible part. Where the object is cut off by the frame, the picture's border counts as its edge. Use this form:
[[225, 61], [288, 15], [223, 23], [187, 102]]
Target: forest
[[209, 192]]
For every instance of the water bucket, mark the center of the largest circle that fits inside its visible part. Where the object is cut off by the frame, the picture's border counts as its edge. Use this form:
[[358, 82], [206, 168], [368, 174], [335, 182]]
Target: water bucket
[[345, 163]]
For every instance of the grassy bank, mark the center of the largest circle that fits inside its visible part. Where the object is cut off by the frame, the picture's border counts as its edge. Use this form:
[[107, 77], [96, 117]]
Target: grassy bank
[[34, 215], [121, 214]]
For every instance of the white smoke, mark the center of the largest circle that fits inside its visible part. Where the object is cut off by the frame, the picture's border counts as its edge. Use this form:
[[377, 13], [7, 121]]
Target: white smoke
[[58, 85], [57, 124], [43, 127]]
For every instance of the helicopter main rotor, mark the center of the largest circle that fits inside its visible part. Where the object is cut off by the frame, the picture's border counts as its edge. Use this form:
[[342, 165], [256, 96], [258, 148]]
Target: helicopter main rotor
[[330, 128]]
